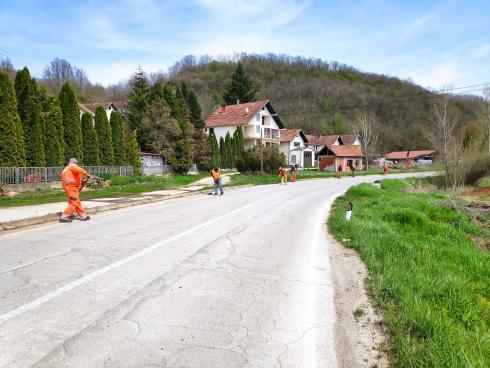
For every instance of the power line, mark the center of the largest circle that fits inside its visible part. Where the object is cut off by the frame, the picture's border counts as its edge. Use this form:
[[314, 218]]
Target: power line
[[9, 54]]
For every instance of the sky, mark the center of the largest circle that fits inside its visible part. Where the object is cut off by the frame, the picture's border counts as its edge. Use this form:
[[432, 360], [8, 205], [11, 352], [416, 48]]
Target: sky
[[433, 43]]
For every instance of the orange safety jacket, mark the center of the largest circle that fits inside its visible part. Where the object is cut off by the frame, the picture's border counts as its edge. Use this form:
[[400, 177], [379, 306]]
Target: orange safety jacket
[[215, 174], [71, 176]]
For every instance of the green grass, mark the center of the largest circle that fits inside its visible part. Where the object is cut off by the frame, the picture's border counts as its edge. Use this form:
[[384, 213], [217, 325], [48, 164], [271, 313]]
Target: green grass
[[483, 182], [267, 178], [120, 186], [425, 273]]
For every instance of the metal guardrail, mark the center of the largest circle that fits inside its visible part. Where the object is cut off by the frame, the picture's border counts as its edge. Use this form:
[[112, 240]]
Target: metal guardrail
[[22, 175]]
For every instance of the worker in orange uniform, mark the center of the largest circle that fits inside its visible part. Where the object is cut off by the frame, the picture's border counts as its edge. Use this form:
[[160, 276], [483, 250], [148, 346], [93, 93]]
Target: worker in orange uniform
[[339, 171], [71, 181]]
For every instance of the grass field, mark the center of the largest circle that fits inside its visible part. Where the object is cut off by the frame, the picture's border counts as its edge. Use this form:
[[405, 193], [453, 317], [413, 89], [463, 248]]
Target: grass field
[[261, 179], [120, 186], [425, 273]]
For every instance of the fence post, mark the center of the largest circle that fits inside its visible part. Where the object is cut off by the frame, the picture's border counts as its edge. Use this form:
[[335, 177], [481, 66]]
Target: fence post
[[45, 174], [17, 175], [120, 171]]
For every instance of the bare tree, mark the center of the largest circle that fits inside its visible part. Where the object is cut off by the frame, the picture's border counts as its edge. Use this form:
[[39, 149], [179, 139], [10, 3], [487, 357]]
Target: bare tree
[[7, 67], [485, 116], [366, 128], [445, 140]]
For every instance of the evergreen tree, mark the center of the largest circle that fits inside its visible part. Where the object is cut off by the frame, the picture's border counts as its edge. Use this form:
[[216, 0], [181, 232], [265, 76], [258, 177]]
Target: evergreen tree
[[195, 112], [91, 154], [52, 125], [117, 130], [104, 134], [132, 154], [72, 126], [229, 151], [241, 145], [137, 105], [241, 87], [29, 112], [222, 153], [215, 154], [11, 134]]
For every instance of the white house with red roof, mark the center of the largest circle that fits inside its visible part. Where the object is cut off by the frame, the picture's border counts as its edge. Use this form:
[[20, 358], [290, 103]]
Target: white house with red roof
[[294, 147], [109, 107], [259, 121]]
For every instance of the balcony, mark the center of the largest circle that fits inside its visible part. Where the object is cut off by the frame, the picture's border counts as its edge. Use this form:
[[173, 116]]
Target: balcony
[[272, 134]]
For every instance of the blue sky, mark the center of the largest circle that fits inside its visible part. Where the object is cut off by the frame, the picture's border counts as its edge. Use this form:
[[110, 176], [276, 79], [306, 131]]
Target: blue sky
[[434, 43]]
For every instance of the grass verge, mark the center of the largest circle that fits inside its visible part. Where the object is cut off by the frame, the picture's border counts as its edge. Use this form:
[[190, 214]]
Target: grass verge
[[267, 178], [425, 273], [120, 186]]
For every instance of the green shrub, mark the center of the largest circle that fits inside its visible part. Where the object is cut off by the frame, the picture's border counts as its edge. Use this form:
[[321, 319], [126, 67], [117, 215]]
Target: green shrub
[[249, 161]]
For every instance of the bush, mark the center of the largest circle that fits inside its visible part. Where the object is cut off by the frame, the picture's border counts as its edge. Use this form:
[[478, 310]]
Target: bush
[[479, 167], [250, 160]]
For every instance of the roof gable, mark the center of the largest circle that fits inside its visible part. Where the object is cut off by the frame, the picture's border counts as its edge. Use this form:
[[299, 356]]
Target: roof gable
[[346, 150], [240, 114], [288, 135], [401, 155]]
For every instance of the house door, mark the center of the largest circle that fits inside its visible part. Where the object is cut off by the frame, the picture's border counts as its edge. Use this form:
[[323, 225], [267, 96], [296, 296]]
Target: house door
[[308, 159]]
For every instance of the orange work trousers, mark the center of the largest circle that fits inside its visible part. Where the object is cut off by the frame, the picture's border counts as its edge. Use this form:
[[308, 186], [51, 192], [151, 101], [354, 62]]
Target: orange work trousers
[[293, 177], [74, 203], [339, 174]]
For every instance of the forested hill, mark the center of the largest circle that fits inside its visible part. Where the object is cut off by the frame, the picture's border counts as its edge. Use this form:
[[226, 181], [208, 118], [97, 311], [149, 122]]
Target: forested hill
[[323, 98]]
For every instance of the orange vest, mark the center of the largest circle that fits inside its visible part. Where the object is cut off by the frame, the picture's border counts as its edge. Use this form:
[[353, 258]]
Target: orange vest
[[215, 174], [71, 176]]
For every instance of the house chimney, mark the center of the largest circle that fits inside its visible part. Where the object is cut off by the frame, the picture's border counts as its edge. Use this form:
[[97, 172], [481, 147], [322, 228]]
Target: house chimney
[[238, 102], [246, 110], [223, 108]]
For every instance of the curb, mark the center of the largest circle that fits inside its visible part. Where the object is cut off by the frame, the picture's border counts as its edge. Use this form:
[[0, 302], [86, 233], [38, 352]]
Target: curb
[[18, 224], [54, 217]]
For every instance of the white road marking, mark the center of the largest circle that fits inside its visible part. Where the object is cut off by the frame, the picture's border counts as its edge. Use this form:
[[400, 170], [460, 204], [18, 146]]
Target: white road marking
[[83, 280]]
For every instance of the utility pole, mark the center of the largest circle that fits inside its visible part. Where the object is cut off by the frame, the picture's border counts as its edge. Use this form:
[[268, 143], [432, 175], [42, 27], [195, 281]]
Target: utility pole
[[261, 152]]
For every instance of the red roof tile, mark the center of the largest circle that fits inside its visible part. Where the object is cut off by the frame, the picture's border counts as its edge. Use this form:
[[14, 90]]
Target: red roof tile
[[324, 140], [401, 155], [345, 151], [348, 139], [234, 114], [287, 135]]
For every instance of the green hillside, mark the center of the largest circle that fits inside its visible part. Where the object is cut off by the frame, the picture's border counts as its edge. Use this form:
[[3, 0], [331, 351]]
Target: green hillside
[[323, 98]]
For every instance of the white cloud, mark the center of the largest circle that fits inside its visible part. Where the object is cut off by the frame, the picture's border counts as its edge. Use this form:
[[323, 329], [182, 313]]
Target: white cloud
[[437, 76], [413, 28]]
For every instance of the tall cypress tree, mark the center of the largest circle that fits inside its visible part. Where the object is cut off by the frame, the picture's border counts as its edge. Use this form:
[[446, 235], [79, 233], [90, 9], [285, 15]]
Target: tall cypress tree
[[137, 104], [29, 112], [11, 134], [229, 151], [52, 124], [241, 87], [241, 146], [215, 154], [117, 130], [222, 153], [72, 126], [103, 129], [132, 154], [91, 155]]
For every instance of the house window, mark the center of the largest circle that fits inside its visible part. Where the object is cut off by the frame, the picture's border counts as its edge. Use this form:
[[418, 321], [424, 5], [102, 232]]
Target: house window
[[211, 130], [296, 144], [350, 163], [293, 159], [257, 116], [357, 163], [257, 129]]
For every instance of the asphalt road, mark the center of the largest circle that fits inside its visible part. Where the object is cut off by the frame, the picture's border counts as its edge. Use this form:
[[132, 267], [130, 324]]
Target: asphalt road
[[240, 280]]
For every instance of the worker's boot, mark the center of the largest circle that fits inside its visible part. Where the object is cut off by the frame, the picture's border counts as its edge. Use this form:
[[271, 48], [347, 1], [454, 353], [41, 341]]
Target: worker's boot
[[84, 217], [65, 218]]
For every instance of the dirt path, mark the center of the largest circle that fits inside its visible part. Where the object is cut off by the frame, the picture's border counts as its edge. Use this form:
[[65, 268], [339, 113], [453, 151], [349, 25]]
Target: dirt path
[[360, 337]]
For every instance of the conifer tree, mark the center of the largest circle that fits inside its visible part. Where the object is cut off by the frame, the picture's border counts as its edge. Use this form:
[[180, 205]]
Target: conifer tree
[[241, 146], [91, 154], [215, 154], [241, 87], [72, 126], [104, 135], [52, 124], [222, 153], [229, 151], [117, 130], [133, 153], [11, 134], [137, 105], [29, 112]]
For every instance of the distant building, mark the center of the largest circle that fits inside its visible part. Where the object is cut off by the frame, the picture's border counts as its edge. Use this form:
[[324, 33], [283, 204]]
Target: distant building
[[259, 121], [109, 107], [410, 158], [293, 146], [347, 156]]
